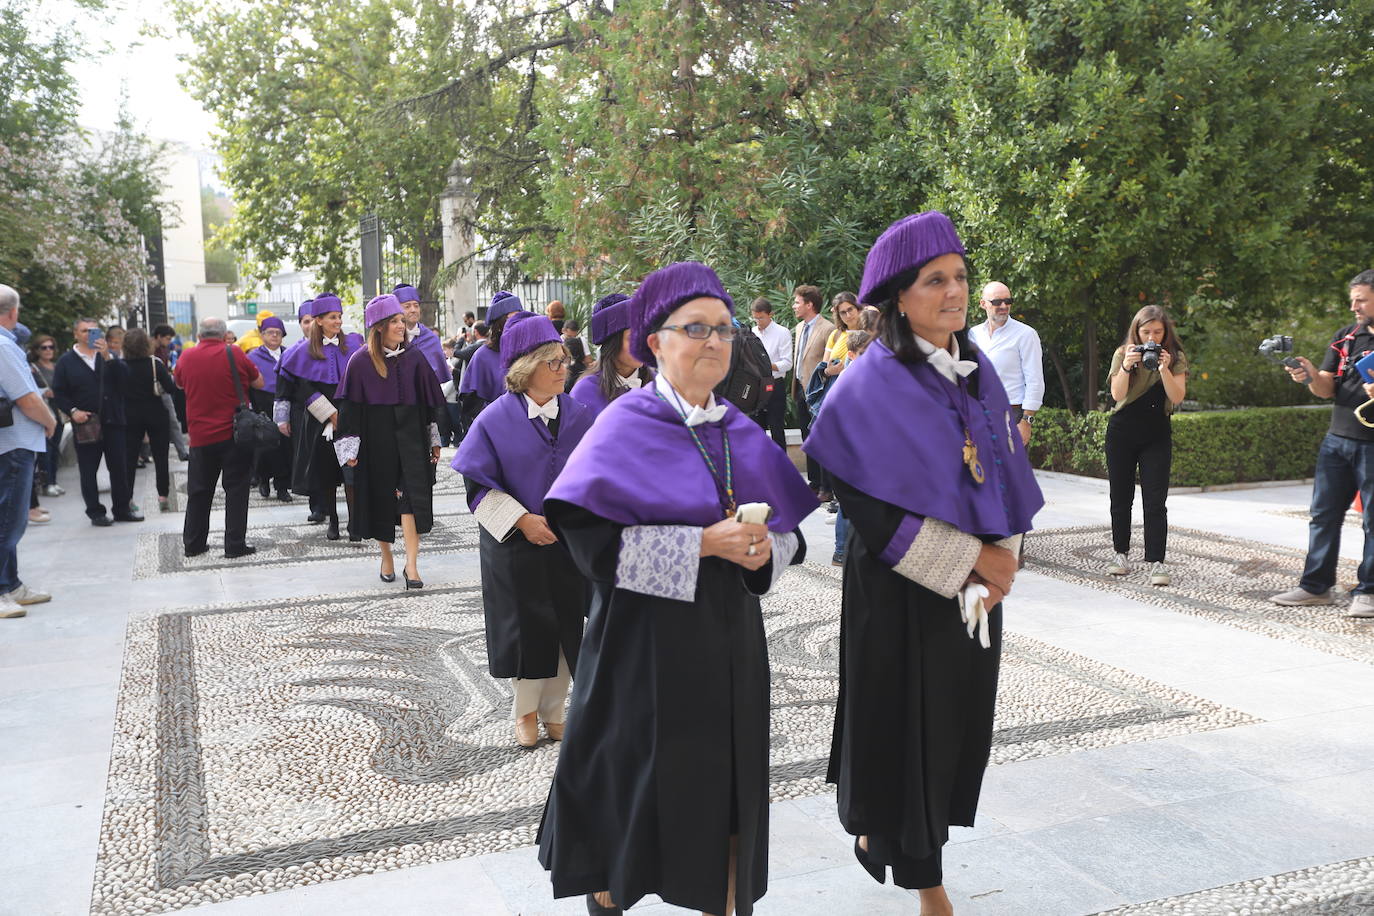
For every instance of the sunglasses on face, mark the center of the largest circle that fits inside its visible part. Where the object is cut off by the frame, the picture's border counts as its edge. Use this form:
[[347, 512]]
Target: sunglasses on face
[[698, 331], [997, 303], [46, 347]]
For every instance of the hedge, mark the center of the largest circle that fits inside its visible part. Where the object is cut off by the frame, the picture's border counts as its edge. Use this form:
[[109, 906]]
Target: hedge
[[1210, 447]]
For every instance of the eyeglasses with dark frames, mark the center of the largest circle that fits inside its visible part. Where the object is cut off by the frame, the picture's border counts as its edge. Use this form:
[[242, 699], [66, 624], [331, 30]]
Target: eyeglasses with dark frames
[[699, 331], [997, 302], [556, 364], [46, 347]]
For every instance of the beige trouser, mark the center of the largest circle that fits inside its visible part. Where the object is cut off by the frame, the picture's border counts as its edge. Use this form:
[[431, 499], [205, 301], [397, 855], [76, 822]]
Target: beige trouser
[[544, 695]]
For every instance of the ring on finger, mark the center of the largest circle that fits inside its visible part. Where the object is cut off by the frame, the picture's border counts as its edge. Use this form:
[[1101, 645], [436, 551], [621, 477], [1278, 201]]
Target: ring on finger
[[752, 550]]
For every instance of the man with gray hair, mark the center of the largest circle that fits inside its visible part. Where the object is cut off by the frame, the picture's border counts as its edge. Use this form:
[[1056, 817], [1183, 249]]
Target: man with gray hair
[[212, 396], [21, 442]]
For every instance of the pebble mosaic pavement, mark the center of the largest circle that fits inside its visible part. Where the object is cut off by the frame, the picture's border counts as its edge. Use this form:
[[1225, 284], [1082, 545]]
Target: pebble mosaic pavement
[[1338, 889], [1224, 579], [268, 745], [446, 483]]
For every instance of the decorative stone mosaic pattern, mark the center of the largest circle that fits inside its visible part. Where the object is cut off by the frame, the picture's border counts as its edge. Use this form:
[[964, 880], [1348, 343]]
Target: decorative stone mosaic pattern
[[1220, 578], [1338, 889], [268, 745], [1352, 519], [160, 553], [447, 482]]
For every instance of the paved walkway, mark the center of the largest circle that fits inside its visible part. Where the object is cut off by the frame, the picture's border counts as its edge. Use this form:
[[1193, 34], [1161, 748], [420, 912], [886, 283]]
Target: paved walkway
[[1247, 789]]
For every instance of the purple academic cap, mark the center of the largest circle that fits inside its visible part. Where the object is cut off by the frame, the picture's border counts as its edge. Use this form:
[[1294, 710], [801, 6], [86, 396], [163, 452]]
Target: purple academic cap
[[381, 308], [324, 304], [661, 293], [610, 316], [405, 293], [503, 303], [907, 243], [526, 331], [305, 309], [273, 322]]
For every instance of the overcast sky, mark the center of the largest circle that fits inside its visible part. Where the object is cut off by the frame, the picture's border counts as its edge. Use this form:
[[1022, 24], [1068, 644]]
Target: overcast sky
[[146, 66]]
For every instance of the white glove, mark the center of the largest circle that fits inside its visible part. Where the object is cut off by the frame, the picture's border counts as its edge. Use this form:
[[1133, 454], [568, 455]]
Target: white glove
[[754, 514], [975, 611], [328, 432]]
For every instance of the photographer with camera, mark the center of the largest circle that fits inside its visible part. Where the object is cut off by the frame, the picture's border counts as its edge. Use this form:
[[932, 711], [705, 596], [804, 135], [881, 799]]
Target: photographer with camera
[[1345, 460], [1148, 378]]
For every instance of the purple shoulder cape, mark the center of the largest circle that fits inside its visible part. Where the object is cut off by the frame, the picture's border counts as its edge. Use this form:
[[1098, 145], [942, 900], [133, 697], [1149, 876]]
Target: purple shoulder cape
[[893, 432], [409, 380], [505, 450], [639, 466], [587, 392], [428, 343], [262, 358], [485, 376], [298, 362]]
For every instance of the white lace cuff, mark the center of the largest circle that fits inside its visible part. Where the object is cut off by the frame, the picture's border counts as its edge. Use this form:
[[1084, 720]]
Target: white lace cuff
[[784, 549], [498, 512], [281, 412], [434, 435], [940, 558], [660, 560], [346, 449], [321, 408]]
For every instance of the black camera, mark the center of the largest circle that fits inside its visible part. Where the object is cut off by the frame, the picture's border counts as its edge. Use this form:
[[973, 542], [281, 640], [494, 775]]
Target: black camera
[[1279, 343], [1149, 355]]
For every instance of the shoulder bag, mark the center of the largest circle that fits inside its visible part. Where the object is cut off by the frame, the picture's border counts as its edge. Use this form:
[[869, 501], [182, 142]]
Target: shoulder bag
[[89, 432], [252, 430]]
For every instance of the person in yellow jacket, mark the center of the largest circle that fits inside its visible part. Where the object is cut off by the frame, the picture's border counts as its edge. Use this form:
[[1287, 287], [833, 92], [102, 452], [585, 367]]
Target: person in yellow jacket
[[253, 339]]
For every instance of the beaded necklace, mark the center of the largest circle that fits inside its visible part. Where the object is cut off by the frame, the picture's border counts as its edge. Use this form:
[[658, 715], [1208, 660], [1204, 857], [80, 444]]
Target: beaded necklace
[[725, 490]]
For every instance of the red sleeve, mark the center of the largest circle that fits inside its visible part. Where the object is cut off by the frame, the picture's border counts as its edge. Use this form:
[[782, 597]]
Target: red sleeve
[[246, 365]]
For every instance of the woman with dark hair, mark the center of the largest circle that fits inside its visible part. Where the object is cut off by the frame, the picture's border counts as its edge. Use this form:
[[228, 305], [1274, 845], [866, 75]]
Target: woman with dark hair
[[533, 596], [682, 512], [146, 415], [43, 356], [1148, 378], [617, 371], [484, 379], [938, 491], [307, 385], [389, 403]]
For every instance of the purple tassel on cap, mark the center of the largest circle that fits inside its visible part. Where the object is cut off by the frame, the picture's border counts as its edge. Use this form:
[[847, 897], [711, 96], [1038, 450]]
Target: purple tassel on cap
[[907, 243], [610, 316], [526, 331], [663, 291]]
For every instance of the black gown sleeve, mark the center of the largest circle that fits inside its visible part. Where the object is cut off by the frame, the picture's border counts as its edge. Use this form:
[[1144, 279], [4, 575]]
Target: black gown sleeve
[[873, 520], [593, 541], [760, 580]]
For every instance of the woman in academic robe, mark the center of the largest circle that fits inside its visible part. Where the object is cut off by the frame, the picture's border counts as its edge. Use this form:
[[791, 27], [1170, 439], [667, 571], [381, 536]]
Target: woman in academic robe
[[932, 476], [483, 380], [617, 371], [389, 404], [307, 386], [662, 783], [534, 598], [274, 463]]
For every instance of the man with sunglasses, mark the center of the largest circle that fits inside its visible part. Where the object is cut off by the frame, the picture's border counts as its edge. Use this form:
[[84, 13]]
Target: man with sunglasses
[[1014, 350], [1345, 460]]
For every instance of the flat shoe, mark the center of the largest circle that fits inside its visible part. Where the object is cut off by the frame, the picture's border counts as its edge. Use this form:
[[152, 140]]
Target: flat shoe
[[596, 909], [554, 730], [527, 733]]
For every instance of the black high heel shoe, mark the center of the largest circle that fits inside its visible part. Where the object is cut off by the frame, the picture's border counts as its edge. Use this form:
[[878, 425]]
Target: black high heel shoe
[[412, 583], [333, 532], [878, 872], [387, 577], [596, 909]]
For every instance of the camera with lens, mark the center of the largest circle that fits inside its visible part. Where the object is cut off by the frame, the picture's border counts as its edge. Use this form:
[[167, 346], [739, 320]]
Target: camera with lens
[[1149, 355], [1279, 343]]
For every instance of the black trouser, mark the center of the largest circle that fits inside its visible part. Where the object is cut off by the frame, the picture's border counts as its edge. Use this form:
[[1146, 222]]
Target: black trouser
[[111, 448], [148, 417], [1150, 447], [773, 417], [207, 462], [814, 475], [274, 465]]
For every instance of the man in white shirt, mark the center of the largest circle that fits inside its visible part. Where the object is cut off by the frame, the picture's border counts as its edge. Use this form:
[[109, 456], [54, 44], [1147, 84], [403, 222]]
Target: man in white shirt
[[778, 343], [1014, 351], [812, 331]]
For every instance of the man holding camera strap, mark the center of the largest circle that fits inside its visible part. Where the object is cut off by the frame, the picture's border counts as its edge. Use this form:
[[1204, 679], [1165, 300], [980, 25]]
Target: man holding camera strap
[[1345, 460]]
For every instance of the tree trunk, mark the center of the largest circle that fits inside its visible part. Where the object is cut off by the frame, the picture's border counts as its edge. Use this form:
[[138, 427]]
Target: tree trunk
[[430, 249], [1063, 376], [1090, 360]]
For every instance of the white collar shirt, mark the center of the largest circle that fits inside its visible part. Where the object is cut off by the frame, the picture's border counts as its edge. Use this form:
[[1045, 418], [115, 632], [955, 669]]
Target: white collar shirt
[[691, 415], [546, 413], [944, 362], [778, 343], [1014, 351], [629, 381]]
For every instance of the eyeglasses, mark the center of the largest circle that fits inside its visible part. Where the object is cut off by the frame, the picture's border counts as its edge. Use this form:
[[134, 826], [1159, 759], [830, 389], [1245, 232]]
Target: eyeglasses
[[698, 331], [997, 302], [556, 364], [46, 347]]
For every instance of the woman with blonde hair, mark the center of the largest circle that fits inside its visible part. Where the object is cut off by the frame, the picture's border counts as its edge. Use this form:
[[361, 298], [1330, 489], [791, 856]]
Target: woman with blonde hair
[[389, 403], [1148, 378], [533, 596]]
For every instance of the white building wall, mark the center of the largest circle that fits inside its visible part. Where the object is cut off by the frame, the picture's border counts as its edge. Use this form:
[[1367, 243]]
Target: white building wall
[[183, 247]]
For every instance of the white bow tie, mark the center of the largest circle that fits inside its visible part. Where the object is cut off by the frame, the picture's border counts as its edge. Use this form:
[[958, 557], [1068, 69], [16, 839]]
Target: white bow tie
[[391, 354], [331, 341], [948, 366], [698, 416], [548, 412], [412, 333]]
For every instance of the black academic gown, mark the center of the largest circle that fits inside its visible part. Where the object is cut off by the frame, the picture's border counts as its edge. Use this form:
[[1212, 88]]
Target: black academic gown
[[393, 454], [666, 754], [314, 465], [913, 722]]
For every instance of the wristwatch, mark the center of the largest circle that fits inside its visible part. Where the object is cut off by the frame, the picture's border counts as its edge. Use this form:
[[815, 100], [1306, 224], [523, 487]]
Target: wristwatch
[[1029, 418]]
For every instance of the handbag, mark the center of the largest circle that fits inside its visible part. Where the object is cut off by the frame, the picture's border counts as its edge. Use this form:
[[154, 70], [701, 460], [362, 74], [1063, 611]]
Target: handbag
[[252, 430], [6, 412], [89, 432]]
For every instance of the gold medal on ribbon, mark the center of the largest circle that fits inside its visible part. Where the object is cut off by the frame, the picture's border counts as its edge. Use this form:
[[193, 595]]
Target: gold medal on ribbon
[[975, 467]]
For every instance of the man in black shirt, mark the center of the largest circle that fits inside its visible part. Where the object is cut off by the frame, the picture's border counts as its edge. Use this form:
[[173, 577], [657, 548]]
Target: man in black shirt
[[1345, 461]]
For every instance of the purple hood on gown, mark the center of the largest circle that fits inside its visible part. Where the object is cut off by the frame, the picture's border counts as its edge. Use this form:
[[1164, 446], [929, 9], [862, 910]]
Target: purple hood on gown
[[329, 370], [639, 466], [485, 376], [587, 392], [262, 358], [429, 344], [409, 380], [893, 432]]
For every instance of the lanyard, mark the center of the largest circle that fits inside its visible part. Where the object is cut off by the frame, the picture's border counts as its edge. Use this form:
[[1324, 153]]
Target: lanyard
[[960, 404], [724, 490]]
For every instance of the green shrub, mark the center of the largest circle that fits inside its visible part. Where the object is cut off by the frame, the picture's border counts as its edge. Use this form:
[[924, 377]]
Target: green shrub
[[1210, 447]]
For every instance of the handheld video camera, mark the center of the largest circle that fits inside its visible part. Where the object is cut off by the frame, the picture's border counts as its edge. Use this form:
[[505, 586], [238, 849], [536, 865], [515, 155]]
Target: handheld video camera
[[1279, 343]]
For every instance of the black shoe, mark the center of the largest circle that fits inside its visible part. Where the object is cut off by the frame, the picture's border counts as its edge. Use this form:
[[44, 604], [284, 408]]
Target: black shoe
[[825, 496], [131, 517], [333, 532], [355, 538], [265, 489], [412, 583], [387, 577], [102, 521], [596, 909], [832, 507], [879, 872], [284, 497], [188, 552], [315, 518], [246, 550]]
